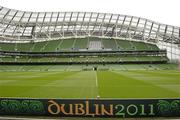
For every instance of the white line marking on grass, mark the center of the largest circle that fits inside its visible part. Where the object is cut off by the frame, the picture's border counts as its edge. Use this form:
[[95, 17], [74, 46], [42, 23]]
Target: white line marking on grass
[[96, 80], [97, 86]]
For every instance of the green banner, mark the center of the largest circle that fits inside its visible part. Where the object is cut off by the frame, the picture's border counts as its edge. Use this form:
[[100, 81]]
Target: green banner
[[122, 108]]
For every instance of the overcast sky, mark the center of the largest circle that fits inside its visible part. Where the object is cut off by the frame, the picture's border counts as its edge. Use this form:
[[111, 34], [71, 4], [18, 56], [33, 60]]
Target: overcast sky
[[163, 11]]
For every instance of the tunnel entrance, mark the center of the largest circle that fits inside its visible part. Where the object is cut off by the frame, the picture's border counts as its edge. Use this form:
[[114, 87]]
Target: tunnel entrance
[[95, 68]]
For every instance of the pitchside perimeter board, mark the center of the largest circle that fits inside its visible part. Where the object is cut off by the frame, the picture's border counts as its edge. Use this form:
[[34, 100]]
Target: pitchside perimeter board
[[121, 108]]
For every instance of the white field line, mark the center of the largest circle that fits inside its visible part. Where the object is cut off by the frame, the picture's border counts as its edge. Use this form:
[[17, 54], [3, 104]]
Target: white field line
[[97, 84], [96, 80]]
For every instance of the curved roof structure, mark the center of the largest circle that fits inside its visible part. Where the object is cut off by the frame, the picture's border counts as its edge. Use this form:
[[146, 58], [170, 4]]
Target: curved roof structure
[[23, 26]]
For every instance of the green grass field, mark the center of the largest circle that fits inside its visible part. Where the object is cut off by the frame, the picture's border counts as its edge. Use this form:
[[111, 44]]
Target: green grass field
[[90, 84]]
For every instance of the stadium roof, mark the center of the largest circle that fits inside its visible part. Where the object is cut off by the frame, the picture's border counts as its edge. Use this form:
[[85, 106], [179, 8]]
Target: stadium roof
[[22, 26]]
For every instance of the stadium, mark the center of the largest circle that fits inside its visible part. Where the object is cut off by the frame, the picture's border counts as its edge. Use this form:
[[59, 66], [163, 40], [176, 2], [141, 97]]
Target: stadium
[[87, 55]]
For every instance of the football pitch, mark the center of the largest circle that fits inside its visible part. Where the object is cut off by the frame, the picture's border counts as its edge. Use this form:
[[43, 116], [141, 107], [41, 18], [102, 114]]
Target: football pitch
[[90, 84]]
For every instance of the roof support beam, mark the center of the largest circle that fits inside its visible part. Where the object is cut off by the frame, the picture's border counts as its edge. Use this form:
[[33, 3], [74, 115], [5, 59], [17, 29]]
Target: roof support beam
[[28, 21], [164, 36], [18, 26], [108, 24], [122, 25], [10, 22], [6, 13], [129, 26], [150, 30], [56, 22]]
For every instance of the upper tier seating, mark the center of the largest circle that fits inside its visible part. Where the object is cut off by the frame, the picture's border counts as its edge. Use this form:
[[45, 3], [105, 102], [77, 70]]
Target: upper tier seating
[[77, 44]]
